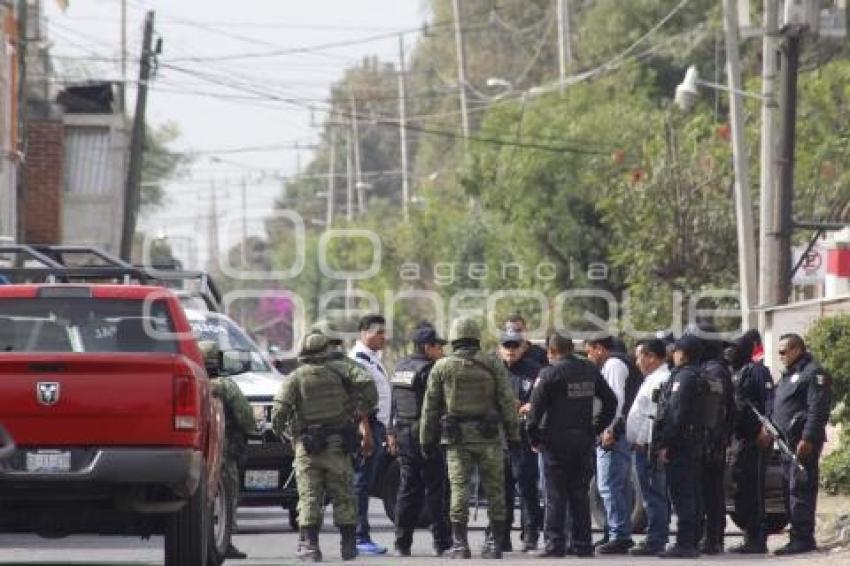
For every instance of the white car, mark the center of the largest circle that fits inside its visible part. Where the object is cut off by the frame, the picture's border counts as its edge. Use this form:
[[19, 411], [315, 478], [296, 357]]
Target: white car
[[266, 477]]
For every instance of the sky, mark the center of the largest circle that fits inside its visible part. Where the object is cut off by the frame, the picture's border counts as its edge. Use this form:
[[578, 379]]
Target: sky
[[207, 45]]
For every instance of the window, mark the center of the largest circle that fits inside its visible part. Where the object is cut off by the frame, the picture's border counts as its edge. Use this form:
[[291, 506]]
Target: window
[[84, 325]]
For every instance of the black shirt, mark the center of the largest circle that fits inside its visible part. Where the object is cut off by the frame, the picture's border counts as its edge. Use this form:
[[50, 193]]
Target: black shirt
[[562, 401], [802, 402], [677, 415]]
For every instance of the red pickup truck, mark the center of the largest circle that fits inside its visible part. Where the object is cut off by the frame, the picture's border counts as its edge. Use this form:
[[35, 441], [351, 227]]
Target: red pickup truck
[[106, 395]]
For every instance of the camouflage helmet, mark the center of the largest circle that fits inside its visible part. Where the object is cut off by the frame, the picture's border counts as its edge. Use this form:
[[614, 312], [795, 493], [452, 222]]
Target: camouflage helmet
[[314, 343], [326, 329], [464, 329]]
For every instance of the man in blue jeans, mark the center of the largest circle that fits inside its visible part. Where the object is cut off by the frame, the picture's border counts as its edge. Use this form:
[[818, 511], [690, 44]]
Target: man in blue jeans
[[613, 455], [651, 359], [367, 352]]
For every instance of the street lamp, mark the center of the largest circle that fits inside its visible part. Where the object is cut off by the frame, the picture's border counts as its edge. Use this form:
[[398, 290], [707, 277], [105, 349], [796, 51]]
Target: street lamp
[[686, 92], [685, 98]]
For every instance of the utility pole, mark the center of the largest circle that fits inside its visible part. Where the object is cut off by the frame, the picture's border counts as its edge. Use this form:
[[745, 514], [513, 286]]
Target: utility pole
[[244, 246], [137, 144], [329, 216], [358, 171], [21, 184], [402, 131], [790, 60], [768, 241], [565, 49], [349, 196], [461, 70], [212, 227], [743, 201], [122, 98]]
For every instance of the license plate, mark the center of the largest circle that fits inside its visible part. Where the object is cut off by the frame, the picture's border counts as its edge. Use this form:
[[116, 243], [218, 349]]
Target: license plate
[[262, 479], [49, 461]]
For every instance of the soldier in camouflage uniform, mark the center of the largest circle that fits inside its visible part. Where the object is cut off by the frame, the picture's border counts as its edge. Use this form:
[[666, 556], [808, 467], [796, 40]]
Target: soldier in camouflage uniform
[[318, 406], [238, 424], [467, 404]]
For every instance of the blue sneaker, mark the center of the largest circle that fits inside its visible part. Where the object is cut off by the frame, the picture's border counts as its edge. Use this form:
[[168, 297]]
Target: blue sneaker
[[369, 548]]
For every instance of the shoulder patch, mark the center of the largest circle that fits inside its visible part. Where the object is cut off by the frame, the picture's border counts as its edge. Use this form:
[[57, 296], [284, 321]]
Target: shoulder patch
[[795, 378]]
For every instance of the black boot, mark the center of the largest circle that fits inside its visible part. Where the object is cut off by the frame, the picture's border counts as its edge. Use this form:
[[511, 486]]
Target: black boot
[[347, 542], [308, 545], [529, 541], [234, 553], [403, 541], [460, 542], [750, 546], [493, 546]]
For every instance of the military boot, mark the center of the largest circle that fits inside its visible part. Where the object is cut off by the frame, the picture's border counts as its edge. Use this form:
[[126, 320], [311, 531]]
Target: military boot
[[529, 541], [347, 542], [308, 545], [403, 542], [493, 546], [460, 542]]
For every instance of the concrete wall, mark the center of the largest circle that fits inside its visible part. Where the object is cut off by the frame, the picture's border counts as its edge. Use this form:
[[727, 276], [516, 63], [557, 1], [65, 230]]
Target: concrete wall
[[797, 318], [95, 173]]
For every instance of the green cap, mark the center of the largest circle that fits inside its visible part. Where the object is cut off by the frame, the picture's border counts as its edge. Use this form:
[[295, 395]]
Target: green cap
[[464, 328]]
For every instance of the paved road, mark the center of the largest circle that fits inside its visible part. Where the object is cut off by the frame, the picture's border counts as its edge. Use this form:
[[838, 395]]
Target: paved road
[[266, 537]]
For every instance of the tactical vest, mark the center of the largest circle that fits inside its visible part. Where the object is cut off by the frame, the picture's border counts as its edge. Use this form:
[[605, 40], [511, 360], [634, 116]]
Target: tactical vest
[[471, 391], [408, 388], [711, 404], [324, 395], [575, 409]]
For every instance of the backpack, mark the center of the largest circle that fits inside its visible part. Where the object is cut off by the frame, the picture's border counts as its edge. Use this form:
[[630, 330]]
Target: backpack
[[633, 382], [712, 406]]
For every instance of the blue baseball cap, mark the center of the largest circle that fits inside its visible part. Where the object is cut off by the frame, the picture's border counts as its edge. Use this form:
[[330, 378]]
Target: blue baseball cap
[[426, 334]]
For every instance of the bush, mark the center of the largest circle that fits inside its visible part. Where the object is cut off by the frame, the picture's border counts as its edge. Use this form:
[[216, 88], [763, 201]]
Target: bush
[[829, 340]]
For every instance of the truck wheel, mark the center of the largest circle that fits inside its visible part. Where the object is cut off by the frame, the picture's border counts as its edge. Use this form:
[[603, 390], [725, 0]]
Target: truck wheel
[[187, 531], [221, 523]]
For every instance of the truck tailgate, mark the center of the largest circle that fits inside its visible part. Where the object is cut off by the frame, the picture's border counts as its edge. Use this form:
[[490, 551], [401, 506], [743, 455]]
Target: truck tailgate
[[89, 399]]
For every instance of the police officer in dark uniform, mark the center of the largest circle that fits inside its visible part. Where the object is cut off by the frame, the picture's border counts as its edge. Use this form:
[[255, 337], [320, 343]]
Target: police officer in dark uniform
[[718, 436], [678, 443], [516, 323], [753, 388], [422, 479], [524, 470], [561, 425], [800, 411]]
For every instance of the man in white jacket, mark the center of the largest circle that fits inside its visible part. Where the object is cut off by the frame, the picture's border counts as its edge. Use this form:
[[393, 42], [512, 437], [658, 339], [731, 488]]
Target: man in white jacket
[[650, 357]]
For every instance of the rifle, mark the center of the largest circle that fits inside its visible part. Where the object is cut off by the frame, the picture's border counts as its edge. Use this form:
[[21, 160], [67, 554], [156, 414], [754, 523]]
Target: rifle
[[778, 438]]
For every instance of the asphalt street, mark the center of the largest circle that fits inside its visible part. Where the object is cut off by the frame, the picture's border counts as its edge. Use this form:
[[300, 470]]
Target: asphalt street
[[266, 537]]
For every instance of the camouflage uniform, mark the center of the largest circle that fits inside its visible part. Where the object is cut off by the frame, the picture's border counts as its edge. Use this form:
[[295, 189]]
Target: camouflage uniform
[[467, 403], [317, 406], [238, 424]]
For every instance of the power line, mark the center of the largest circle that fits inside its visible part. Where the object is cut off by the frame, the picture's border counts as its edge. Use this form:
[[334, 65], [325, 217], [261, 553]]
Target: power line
[[390, 122]]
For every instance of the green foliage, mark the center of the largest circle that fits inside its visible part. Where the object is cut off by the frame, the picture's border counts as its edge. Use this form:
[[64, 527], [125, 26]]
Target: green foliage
[[835, 468], [829, 340], [605, 172]]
